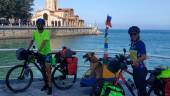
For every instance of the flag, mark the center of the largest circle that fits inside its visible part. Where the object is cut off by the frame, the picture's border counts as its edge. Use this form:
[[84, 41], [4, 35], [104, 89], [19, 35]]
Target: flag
[[108, 21], [108, 25]]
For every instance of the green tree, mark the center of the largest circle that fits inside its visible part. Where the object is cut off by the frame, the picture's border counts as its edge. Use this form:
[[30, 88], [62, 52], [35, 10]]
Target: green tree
[[20, 9], [7, 8], [24, 9]]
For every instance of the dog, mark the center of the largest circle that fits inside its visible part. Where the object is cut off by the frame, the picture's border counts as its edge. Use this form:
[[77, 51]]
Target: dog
[[95, 69]]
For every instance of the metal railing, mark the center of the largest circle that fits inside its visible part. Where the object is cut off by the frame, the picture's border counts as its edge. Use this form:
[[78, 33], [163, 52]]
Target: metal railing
[[98, 52], [84, 51], [79, 51]]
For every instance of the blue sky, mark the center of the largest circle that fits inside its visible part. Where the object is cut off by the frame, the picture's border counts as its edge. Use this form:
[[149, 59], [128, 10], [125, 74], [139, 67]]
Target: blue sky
[[148, 14]]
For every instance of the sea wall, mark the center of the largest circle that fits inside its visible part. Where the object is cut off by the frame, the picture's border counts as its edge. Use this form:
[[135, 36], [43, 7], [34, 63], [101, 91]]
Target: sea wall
[[26, 32]]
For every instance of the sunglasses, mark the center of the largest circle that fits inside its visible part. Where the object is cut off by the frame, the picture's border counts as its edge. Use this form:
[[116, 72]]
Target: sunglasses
[[39, 24], [133, 34]]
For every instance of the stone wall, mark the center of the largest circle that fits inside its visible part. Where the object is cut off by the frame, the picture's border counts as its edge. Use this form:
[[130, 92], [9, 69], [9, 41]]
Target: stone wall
[[12, 33]]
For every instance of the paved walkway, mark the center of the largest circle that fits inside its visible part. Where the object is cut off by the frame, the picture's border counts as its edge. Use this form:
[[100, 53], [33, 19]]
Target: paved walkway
[[34, 90]]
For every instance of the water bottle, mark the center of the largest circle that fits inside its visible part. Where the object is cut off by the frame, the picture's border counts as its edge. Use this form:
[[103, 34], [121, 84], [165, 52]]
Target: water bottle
[[131, 84]]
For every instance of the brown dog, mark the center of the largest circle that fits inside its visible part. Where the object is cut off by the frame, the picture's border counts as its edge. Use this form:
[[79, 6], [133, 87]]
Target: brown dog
[[95, 66]]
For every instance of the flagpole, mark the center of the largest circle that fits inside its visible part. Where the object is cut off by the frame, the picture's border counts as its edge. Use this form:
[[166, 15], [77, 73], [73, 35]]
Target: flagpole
[[108, 25]]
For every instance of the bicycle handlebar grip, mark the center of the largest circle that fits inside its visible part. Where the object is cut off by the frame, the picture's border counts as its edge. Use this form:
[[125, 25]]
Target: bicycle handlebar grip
[[129, 62], [100, 59]]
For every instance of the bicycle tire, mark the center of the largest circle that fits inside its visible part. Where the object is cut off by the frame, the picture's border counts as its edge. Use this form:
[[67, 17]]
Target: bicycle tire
[[151, 92], [130, 89], [57, 79], [9, 81]]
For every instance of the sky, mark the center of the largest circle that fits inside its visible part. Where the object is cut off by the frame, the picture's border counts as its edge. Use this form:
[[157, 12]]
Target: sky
[[148, 14]]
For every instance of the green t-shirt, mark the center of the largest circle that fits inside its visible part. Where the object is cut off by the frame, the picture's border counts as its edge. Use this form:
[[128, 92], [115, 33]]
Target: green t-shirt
[[38, 39]]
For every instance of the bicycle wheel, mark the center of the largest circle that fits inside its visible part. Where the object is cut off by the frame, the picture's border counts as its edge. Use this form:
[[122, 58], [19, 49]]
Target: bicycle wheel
[[63, 82], [155, 88], [18, 79], [152, 92]]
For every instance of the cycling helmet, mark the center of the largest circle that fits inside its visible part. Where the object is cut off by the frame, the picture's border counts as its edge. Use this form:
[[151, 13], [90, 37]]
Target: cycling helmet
[[134, 29], [40, 21], [64, 47]]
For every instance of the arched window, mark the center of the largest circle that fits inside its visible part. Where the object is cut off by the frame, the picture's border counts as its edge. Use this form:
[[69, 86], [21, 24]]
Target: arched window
[[45, 16], [34, 23], [63, 23], [52, 23], [59, 23], [55, 23]]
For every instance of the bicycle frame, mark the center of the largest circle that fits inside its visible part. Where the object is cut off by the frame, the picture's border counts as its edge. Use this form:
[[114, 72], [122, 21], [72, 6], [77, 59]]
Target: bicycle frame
[[120, 76], [38, 66], [26, 64]]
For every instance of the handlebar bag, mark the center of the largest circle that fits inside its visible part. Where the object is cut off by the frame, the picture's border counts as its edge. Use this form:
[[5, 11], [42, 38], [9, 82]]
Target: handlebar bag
[[21, 54], [114, 65]]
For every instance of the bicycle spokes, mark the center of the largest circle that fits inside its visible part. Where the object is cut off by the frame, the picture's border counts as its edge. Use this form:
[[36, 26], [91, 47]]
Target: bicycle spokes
[[17, 80]]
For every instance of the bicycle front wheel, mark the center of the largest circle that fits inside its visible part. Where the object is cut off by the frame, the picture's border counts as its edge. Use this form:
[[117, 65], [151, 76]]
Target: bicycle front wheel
[[18, 79], [63, 82], [152, 92]]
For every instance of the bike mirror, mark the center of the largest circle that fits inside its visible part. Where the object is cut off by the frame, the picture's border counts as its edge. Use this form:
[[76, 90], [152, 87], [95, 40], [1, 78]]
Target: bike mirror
[[124, 50]]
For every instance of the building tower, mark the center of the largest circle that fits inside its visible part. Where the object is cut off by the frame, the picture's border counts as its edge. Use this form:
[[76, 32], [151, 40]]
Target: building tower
[[51, 5]]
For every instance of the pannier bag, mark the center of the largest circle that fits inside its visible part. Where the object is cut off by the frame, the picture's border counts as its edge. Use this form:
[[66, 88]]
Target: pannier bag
[[87, 82], [108, 89], [72, 65], [167, 88]]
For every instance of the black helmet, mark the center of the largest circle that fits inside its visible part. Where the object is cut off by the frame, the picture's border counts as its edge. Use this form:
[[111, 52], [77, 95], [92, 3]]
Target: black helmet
[[40, 21], [64, 47], [134, 29]]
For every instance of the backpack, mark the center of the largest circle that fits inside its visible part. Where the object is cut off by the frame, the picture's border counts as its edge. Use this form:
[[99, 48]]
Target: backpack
[[108, 89]]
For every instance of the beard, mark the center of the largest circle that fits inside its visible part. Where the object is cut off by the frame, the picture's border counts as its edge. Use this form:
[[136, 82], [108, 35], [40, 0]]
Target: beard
[[40, 28]]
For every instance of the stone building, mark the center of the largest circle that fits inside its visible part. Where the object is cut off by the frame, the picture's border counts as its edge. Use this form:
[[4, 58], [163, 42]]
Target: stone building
[[58, 17]]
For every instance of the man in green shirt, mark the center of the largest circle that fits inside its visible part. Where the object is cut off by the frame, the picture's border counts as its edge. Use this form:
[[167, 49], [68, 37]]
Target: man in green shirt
[[41, 37]]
